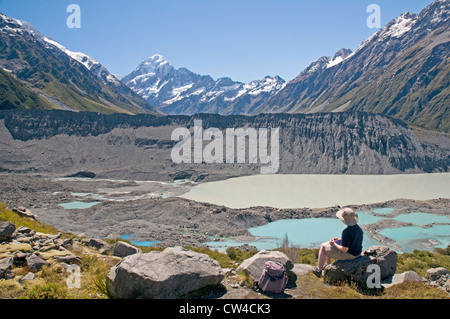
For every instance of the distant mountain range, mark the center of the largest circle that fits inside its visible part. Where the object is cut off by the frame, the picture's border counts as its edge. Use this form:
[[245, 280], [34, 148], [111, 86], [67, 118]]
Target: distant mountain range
[[38, 72], [181, 91], [401, 71]]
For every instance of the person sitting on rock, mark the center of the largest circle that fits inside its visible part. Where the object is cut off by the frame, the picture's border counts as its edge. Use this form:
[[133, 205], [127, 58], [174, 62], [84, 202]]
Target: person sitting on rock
[[346, 248]]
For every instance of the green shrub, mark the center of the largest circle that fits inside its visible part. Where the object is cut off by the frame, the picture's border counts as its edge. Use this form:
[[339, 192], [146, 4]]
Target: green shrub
[[238, 255], [419, 261], [223, 259], [49, 291]]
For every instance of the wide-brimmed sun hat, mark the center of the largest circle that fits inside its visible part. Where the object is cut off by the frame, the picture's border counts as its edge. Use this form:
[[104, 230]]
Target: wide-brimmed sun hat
[[348, 216]]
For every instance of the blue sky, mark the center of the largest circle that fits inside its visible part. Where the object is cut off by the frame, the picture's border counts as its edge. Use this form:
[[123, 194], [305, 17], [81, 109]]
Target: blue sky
[[242, 39]]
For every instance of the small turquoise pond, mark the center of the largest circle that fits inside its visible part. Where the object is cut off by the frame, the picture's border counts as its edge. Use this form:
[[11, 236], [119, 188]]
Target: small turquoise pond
[[139, 243], [408, 238], [78, 205]]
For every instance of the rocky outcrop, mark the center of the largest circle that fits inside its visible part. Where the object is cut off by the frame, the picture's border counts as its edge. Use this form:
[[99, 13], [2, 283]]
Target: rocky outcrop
[[26, 247], [24, 212], [439, 277], [255, 264], [356, 270], [162, 275]]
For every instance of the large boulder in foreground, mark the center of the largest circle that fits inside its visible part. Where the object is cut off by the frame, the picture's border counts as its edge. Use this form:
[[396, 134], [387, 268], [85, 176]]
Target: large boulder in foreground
[[255, 264], [162, 275], [356, 269]]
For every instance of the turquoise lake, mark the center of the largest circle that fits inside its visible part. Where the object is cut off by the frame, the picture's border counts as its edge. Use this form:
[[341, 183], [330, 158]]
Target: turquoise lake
[[311, 232], [315, 191], [78, 205], [139, 243]]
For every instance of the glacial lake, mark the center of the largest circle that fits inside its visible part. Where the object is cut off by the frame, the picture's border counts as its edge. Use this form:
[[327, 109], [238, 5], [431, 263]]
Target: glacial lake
[[312, 232], [317, 191], [78, 205], [139, 243]]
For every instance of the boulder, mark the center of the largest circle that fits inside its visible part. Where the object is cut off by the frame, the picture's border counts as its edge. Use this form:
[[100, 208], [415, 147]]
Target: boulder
[[356, 269], [255, 265], [67, 243], [24, 212], [410, 276], [434, 274], [6, 265], [96, 243], [35, 263], [28, 276], [439, 277], [19, 258], [6, 230], [122, 249], [68, 259], [301, 269], [447, 285], [23, 231], [162, 275]]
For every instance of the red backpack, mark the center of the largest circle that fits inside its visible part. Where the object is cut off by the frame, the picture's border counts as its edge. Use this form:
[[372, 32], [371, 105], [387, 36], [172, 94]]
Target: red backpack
[[273, 278]]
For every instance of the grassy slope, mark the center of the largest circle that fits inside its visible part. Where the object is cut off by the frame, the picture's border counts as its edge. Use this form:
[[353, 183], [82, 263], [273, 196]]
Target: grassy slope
[[63, 79], [50, 283], [15, 94]]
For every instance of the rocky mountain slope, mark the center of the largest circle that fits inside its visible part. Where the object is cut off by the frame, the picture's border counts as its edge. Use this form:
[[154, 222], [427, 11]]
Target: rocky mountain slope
[[64, 79], [139, 147], [401, 71], [181, 91]]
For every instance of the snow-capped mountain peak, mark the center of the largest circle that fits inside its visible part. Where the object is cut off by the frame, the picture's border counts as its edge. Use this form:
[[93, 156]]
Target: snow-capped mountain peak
[[154, 62], [399, 26], [181, 91]]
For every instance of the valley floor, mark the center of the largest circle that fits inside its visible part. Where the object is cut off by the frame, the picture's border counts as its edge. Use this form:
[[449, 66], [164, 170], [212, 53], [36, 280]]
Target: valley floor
[[152, 212]]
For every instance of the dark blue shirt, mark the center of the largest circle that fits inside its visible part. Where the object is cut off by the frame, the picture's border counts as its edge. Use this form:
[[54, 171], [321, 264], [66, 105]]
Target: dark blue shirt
[[352, 237]]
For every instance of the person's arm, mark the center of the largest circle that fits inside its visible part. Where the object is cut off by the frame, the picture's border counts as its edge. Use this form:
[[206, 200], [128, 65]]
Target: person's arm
[[339, 247]]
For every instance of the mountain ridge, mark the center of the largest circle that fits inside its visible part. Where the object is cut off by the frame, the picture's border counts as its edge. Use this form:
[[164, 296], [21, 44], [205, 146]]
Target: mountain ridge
[[52, 72], [401, 71]]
